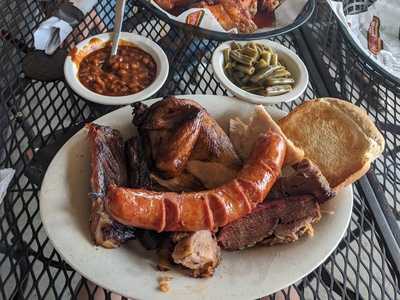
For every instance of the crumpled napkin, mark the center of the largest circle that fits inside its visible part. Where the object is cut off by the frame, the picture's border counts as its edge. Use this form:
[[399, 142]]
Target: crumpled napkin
[[6, 175], [357, 25], [53, 31], [50, 34]]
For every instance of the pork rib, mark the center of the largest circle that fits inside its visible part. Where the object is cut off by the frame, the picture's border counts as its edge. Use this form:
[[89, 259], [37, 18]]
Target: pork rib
[[108, 166]]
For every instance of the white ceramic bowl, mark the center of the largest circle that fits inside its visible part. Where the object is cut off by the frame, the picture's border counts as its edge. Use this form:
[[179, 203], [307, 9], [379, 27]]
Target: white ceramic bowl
[[147, 45], [287, 57]]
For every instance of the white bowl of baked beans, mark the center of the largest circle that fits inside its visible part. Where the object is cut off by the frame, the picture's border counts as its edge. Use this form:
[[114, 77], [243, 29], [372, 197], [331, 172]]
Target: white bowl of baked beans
[[138, 71]]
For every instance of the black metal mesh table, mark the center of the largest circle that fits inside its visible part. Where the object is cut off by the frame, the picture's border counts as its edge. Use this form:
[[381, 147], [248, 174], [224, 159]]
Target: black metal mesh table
[[37, 117]]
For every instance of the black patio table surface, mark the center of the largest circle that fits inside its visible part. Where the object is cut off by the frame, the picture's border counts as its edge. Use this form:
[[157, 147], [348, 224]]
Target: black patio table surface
[[37, 117]]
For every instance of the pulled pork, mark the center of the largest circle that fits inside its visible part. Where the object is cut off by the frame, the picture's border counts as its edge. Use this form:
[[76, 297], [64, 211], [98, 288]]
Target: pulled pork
[[197, 251]]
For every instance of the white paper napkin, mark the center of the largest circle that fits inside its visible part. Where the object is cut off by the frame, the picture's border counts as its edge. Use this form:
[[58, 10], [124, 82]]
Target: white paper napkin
[[50, 34], [53, 31], [357, 26], [5, 178]]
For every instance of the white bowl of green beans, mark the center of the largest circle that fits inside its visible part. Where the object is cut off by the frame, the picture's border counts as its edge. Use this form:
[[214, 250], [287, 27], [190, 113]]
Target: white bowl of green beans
[[261, 72]]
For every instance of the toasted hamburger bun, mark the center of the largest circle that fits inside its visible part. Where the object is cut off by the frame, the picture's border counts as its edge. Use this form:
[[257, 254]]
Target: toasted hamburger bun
[[336, 135], [243, 136]]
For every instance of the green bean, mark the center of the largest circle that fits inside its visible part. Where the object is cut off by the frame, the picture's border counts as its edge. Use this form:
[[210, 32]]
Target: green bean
[[281, 73], [228, 73], [252, 89], [259, 49], [250, 52], [235, 46], [234, 77], [251, 45], [226, 53], [265, 53], [279, 81], [245, 69], [240, 58], [239, 74], [245, 79], [274, 59], [278, 68], [263, 73], [268, 48], [276, 90], [262, 64], [228, 66], [267, 57]]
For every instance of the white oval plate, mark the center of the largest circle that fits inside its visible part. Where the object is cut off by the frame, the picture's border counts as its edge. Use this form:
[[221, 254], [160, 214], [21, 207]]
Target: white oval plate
[[147, 45], [289, 59], [130, 270]]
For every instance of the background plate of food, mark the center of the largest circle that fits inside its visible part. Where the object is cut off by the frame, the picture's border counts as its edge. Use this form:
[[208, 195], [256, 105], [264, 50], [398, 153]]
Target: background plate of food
[[227, 19], [306, 212]]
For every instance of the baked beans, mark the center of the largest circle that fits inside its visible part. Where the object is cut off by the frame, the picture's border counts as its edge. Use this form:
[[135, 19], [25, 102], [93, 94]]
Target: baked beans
[[126, 73]]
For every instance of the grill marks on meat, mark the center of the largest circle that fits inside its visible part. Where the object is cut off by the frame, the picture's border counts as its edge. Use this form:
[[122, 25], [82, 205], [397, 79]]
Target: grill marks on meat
[[279, 221], [306, 180], [108, 166], [197, 251]]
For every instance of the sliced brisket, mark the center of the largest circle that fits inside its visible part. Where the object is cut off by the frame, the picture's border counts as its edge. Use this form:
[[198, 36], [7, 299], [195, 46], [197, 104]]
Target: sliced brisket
[[278, 220], [306, 180]]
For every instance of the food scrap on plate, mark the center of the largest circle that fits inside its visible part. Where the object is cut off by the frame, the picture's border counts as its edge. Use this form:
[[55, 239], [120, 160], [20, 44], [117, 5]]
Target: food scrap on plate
[[187, 188], [163, 282]]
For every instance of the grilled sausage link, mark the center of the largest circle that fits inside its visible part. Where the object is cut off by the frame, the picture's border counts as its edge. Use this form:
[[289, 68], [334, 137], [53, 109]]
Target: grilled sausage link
[[168, 211]]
